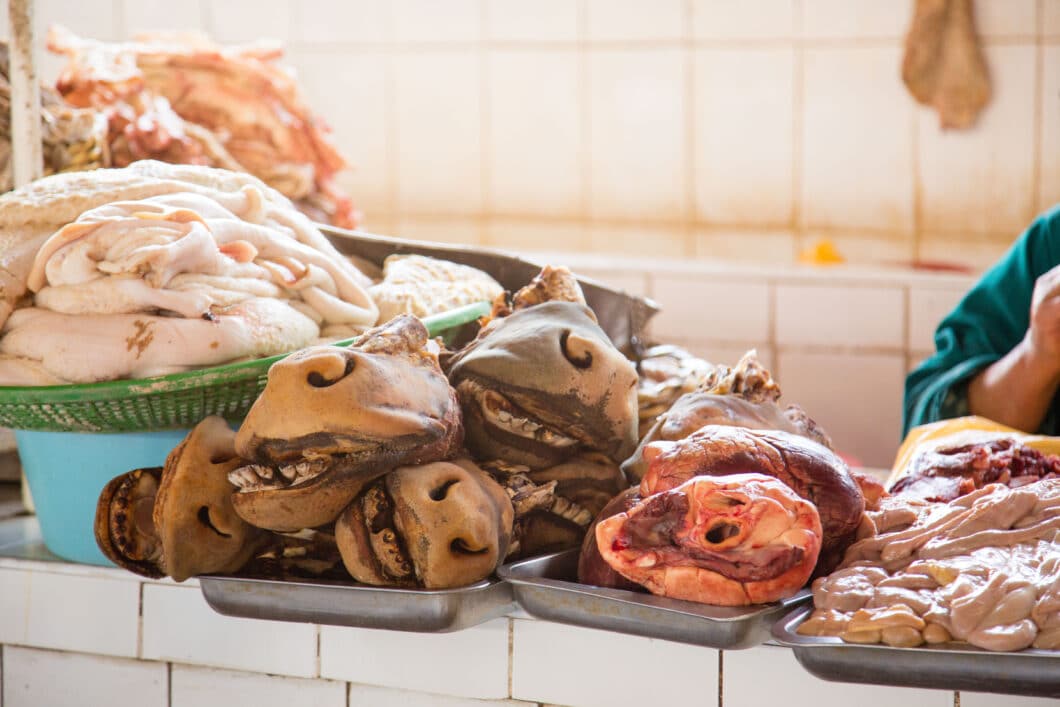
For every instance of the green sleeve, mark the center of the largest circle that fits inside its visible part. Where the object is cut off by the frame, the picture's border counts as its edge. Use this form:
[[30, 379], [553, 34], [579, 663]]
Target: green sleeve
[[988, 323]]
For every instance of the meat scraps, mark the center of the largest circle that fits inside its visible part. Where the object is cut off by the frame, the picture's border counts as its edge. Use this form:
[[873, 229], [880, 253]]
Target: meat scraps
[[945, 473], [728, 540]]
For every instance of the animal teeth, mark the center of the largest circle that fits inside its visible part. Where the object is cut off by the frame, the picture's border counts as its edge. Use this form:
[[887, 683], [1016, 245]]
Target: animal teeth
[[288, 472]]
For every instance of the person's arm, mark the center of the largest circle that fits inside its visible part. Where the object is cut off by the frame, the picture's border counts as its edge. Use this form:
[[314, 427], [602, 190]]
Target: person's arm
[[1018, 389]]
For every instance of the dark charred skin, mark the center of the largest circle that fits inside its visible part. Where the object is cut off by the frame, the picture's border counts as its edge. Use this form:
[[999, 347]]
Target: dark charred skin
[[128, 501], [551, 364], [592, 569]]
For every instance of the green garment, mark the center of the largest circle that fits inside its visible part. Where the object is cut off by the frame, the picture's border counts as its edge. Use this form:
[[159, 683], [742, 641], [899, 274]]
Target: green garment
[[988, 323]]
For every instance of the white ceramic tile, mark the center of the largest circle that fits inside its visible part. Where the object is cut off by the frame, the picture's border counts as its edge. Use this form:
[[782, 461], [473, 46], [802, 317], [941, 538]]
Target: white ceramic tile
[[610, 668], [833, 388], [520, 235], [862, 248], [353, 103], [35, 678], [692, 308], [985, 699], [163, 15], [617, 20], [637, 131], [250, 20], [207, 687], [724, 352], [370, 696], [977, 254], [89, 18], [535, 147], [1049, 189], [541, 20], [759, 247], [468, 663], [745, 686], [914, 359], [857, 140], [650, 240], [1051, 19], [109, 627], [14, 605], [927, 307], [839, 316], [744, 106], [346, 21], [179, 626], [635, 283], [433, 21], [438, 132], [742, 19], [846, 19], [455, 231], [1005, 18], [981, 181]]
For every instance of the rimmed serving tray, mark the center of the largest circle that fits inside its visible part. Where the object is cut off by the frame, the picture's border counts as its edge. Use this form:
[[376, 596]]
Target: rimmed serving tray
[[546, 588], [358, 605], [950, 666]]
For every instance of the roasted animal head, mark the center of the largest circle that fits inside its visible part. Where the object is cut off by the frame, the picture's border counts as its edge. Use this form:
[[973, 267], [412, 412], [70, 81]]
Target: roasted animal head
[[808, 468], [179, 520], [592, 569], [331, 419], [439, 525], [543, 384], [728, 540]]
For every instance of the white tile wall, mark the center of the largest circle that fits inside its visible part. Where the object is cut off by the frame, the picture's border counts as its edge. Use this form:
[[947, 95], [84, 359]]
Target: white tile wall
[[439, 160], [611, 668], [14, 605], [759, 247], [1006, 18], [162, 15], [1050, 23], [451, 230], [535, 140], [179, 626], [103, 616], [742, 19], [542, 20], [961, 171], [468, 663], [514, 234], [742, 93], [728, 353], [857, 398], [316, 21], [431, 21], [857, 140], [633, 283], [698, 307], [769, 675], [843, 19], [636, 134], [95, 18], [208, 687], [250, 20], [1049, 189], [927, 307], [40, 678], [985, 699], [634, 19], [865, 247], [371, 696], [951, 248], [838, 316], [649, 240]]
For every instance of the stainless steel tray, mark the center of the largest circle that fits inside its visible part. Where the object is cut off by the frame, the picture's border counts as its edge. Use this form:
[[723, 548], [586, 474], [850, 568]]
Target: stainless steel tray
[[546, 588], [361, 606], [949, 666]]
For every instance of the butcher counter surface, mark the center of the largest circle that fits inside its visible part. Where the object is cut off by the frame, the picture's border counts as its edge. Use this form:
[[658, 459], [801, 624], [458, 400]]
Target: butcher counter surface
[[85, 635]]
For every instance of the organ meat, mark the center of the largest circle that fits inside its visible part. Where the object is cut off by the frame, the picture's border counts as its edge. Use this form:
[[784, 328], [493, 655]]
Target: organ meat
[[727, 540], [811, 470], [943, 472]]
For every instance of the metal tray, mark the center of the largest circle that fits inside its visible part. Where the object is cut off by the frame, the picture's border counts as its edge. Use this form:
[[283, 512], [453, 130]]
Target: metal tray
[[546, 588], [951, 666], [358, 605]]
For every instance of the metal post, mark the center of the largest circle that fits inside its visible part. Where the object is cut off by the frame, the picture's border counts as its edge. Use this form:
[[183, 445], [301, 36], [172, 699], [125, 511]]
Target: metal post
[[27, 158]]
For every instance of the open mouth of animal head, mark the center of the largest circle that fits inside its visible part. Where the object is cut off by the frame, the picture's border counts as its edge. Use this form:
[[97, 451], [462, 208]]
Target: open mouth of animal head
[[262, 477], [500, 412]]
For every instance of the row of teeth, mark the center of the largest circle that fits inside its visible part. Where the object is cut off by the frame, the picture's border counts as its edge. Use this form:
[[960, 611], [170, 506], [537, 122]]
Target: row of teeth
[[255, 477], [525, 428]]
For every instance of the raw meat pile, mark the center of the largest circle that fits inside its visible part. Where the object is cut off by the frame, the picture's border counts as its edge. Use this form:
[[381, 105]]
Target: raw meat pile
[[188, 101]]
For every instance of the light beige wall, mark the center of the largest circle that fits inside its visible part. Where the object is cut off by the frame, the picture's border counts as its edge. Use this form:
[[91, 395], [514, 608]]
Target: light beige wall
[[667, 127]]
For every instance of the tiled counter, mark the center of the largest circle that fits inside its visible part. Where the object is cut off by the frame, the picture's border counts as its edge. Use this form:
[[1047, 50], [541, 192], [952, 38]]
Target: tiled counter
[[81, 635]]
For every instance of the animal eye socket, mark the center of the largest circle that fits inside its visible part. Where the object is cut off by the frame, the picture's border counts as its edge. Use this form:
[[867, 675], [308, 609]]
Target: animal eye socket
[[317, 379], [582, 360]]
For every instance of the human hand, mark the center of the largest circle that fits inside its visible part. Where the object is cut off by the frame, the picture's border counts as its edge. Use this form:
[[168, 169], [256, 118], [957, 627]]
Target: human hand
[[1043, 336]]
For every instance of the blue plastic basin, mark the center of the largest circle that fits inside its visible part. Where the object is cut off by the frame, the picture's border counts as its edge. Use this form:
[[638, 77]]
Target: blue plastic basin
[[66, 472]]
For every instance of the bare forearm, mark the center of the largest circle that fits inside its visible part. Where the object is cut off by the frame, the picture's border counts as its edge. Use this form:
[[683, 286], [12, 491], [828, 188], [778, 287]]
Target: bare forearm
[[1018, 389]]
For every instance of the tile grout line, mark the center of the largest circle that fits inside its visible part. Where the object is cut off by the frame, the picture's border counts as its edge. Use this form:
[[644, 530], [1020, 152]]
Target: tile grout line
[[798, 151], [689, 154], [586, 125], [485, 133], [1039, 98], [511, 656]]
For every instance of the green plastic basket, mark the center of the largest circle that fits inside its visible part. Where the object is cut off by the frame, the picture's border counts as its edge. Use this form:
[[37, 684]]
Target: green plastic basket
[[166, 402]]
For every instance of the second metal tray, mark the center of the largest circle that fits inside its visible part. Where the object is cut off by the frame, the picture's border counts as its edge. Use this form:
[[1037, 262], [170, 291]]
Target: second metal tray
[[950, 666], [361, 606], [546, 588]]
